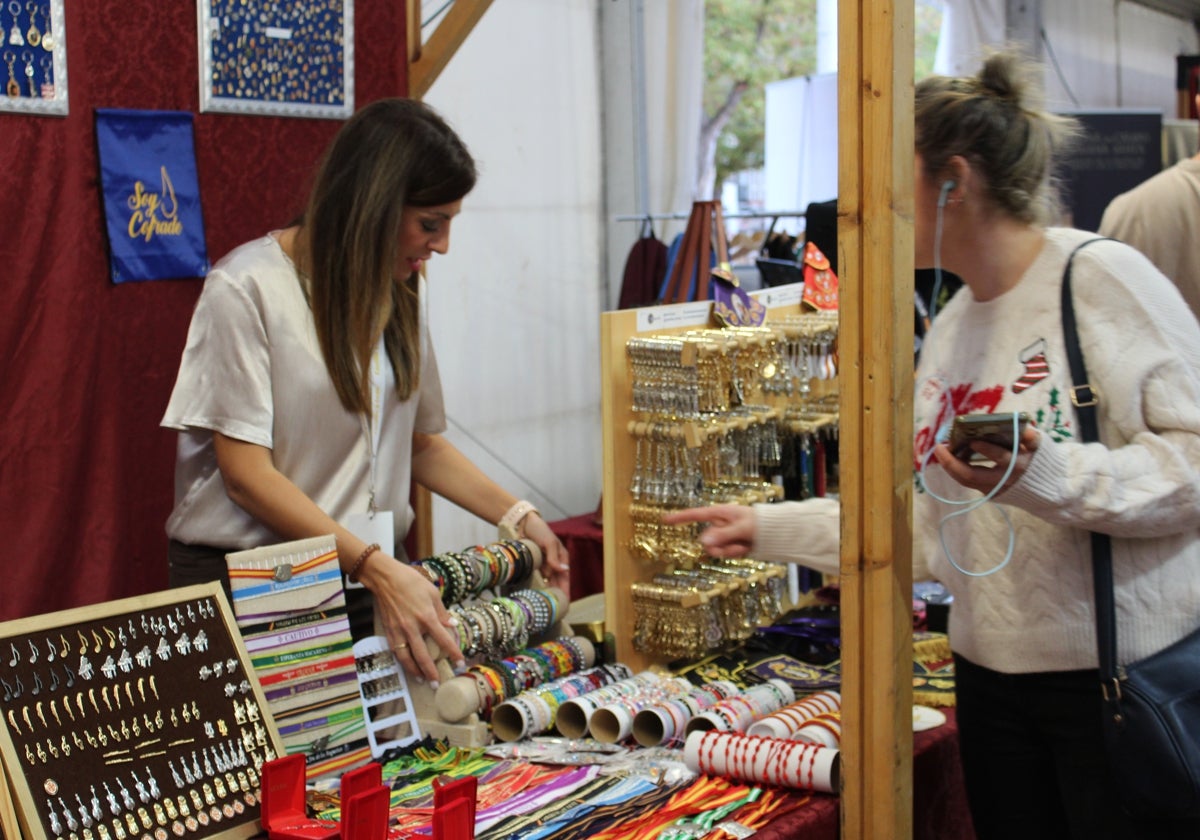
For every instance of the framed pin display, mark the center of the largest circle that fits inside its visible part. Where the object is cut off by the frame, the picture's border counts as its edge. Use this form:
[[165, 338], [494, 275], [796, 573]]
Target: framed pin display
[[276, 58], [135, 718], [33, 49]]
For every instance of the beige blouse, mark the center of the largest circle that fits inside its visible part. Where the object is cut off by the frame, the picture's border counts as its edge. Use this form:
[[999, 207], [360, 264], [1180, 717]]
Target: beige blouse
[[252, 370]]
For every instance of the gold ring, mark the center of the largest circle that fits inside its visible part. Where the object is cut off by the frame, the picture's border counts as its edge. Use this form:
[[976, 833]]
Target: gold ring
[[402, 645]]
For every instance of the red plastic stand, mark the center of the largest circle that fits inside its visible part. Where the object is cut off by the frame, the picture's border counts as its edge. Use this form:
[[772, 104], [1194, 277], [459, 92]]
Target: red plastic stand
[[365, 802], [454, 809]]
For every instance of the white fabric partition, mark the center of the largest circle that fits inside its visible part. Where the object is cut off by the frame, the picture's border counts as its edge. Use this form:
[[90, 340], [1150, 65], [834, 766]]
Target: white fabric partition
[[542, 92], [801, 141], [1108, 54]]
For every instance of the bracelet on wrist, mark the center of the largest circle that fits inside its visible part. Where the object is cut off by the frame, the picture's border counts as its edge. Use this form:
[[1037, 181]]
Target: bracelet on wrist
[[362, 558], [512, 519]]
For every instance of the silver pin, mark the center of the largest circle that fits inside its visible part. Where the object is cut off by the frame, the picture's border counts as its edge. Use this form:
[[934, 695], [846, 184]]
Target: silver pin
[[154, 791], [126, 796], [84, 817], [55, 825], [72, 823]]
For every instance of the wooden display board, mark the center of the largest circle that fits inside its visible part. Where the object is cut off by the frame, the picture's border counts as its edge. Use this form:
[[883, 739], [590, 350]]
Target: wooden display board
[[621, 565], [133, 718]]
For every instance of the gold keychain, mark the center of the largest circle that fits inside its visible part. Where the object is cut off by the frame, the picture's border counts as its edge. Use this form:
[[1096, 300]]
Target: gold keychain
[[32, 36], [13, 89]]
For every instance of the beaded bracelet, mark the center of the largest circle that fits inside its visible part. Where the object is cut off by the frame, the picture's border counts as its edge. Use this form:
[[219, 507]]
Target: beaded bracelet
[[362, 558]]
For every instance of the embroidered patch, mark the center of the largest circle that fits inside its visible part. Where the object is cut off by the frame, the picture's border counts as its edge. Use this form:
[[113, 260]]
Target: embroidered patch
[[1037, 368]]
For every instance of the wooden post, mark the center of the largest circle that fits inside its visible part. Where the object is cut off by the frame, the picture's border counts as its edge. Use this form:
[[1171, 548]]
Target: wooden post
[[450, 34], [875, 246], [413, 21]]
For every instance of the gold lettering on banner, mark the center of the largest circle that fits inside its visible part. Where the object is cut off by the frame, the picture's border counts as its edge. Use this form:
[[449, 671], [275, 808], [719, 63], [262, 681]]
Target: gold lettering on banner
[[154, 214]]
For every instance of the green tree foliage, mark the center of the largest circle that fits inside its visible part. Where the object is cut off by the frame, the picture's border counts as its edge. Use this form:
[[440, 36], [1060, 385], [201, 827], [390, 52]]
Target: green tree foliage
[[748, 43]]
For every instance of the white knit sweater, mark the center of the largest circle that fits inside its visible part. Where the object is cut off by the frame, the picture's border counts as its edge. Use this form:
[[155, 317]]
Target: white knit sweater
[[1141, 345]]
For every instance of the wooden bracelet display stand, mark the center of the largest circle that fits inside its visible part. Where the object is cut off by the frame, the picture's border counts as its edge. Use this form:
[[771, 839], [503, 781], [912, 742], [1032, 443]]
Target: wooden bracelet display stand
[[457, 699], [113, 724], [470, 730], [803, 395]]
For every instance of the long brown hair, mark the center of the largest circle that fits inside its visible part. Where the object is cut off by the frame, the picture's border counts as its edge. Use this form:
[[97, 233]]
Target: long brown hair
[[392, 154]]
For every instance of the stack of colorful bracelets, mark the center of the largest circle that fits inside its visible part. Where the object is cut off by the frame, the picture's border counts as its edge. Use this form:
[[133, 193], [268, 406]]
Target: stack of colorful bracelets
[[463, 574], [536, 710], [665, 722], [502, 625], [734, 714], [496, 681]]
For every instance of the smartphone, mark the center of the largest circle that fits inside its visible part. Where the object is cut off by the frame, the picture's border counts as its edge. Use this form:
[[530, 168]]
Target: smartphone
[[994, 428]]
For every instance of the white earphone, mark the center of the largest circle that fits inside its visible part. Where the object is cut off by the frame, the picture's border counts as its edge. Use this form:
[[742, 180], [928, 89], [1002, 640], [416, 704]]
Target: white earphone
[[947, 186], [943, 197]]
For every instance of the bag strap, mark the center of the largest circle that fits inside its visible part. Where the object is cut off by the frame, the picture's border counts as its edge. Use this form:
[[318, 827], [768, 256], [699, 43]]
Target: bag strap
[[1085, 397], [705, 228], [680, 278]]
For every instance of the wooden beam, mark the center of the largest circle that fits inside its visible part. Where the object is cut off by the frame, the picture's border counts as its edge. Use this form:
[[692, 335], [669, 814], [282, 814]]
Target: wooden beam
[[875, 246], [413, 22], [443, 43]]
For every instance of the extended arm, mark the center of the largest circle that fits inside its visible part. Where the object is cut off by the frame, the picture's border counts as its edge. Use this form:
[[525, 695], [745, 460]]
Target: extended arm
[[438, 465], [409, 606]]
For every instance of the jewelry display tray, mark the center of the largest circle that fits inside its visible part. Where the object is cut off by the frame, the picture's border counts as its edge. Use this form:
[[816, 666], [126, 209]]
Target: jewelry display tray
[[137, 718]]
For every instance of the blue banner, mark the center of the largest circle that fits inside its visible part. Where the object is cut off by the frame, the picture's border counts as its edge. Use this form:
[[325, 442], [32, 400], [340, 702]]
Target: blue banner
[[151, 194]]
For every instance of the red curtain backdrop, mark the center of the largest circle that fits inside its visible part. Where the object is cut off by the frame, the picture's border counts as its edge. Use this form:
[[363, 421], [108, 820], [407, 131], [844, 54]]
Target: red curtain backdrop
[[86, 474]]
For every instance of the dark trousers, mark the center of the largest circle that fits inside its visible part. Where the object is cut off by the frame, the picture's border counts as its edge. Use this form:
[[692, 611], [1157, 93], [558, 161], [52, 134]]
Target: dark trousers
[[1033, 759]]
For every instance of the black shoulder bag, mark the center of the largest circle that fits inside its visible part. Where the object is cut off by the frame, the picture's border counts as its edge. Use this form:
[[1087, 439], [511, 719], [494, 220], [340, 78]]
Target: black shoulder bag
[[1151, 708]]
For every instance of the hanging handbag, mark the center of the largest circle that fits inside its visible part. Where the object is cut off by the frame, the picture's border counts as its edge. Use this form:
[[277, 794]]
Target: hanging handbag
[[1150, 708], [703, 244]]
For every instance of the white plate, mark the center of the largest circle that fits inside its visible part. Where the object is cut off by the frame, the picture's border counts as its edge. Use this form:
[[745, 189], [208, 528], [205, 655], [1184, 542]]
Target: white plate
[[925, 717]]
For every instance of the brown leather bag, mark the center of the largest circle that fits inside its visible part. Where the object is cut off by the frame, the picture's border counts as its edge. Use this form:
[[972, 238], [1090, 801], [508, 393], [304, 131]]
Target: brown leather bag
[[703, 236]]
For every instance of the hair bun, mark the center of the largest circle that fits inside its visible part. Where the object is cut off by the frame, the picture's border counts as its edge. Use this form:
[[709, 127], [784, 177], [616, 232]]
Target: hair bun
[[1005, 77]]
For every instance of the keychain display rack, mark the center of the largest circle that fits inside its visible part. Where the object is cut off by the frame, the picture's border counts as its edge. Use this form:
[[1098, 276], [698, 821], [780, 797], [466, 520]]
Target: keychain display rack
[[694, 416], [267, 57], [34, 51], [134, 718]]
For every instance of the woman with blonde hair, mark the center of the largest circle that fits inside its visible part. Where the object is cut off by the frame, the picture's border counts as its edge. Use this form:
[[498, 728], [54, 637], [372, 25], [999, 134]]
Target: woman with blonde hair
[[1022, 624]]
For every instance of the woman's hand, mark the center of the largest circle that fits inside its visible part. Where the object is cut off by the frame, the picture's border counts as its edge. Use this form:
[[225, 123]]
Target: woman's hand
[[556, 569], [730, 532], [410, 609], [982, 476]]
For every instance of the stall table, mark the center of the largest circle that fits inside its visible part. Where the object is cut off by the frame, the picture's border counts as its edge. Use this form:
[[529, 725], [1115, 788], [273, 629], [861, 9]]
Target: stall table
[[939, 798]]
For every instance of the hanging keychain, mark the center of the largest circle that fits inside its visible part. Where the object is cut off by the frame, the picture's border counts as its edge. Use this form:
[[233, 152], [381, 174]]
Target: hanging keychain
[[27, 57], [47, 36], [32, 36], [47, 88], [13, 89], [14, 34]]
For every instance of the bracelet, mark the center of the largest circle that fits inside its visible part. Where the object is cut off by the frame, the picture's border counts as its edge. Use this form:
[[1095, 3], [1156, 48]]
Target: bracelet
[[512, 519], [362, 558]]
